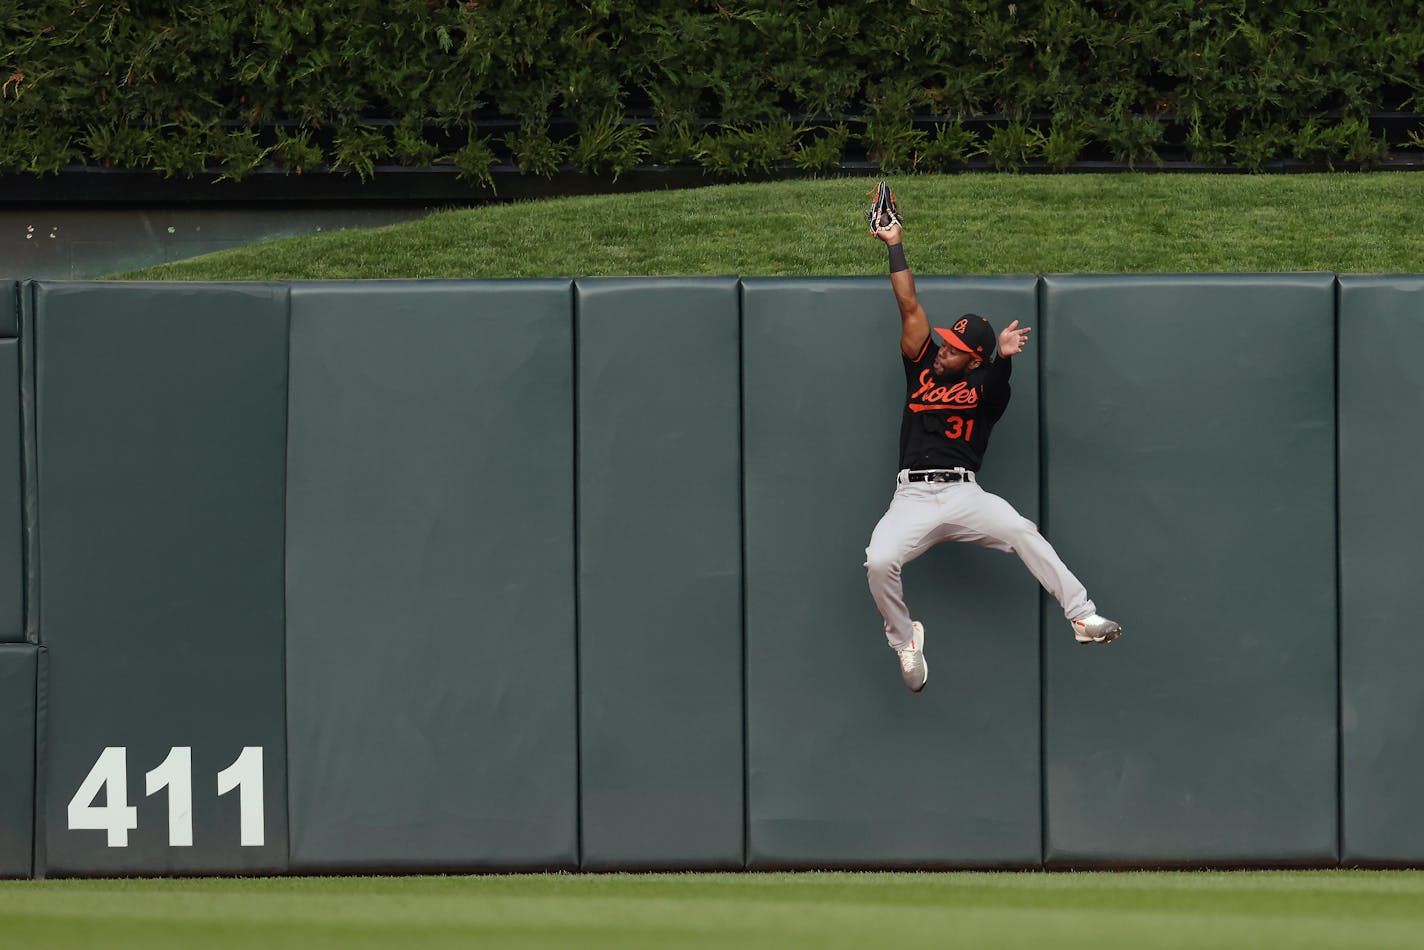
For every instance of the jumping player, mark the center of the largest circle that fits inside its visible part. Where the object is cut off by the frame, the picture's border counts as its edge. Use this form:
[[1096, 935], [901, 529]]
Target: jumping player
[[955, 391]]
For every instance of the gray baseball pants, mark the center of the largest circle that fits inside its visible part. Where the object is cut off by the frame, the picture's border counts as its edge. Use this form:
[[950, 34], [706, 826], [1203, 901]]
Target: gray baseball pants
[[922, 514]]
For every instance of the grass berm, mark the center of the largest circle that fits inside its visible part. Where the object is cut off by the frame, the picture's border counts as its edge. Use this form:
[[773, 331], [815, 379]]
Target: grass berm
[[964, 224]]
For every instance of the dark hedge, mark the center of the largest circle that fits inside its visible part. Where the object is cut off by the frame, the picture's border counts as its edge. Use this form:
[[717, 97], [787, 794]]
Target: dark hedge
[[740, 88]]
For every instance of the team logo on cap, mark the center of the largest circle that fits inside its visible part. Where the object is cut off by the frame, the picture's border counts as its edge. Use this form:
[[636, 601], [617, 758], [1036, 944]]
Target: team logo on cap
[[961, 326]]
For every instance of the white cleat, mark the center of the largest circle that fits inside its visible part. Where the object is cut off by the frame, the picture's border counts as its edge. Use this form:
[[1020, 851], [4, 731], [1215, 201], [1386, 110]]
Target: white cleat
[[913, 668], [1096, 629]]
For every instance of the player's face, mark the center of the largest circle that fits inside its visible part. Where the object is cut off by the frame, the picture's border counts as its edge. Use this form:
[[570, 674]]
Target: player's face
[[951, 363]]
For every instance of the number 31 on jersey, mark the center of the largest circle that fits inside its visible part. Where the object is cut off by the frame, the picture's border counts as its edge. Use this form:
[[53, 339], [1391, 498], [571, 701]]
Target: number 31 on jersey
[[959, 428]]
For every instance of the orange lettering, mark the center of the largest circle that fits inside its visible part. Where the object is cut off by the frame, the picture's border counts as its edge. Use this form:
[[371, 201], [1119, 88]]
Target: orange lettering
[[961, 395]]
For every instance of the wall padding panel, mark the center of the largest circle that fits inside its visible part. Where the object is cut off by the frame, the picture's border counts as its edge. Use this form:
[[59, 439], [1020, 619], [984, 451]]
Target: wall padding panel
[[1190, 463], [847, 768], [12, 562], [161, 420], [430, 576], [660, 600], [1381, 521], [18, 664], [9, 309]]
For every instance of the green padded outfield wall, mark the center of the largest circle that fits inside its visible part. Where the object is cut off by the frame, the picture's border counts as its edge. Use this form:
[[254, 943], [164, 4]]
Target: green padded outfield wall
[[161, 421], [430, 576], [1189, 453], [846, 768], [12, 563], [659, 553], [1381, 521], [18, 663], [483, 533]]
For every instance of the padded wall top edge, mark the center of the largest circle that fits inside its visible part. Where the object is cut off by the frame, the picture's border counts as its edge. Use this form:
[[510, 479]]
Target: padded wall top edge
[[177, 287], [1291, 277], [1404, 282], [428, 285], [863, 279], [595, 285]]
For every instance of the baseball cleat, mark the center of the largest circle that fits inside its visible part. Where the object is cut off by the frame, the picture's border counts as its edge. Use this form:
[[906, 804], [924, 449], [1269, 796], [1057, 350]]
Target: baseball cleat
[[913, 668], [1096, 629]]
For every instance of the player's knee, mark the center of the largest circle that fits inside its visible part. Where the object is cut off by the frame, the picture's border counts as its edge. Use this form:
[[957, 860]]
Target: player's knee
[[881, 564], [1020, 532]]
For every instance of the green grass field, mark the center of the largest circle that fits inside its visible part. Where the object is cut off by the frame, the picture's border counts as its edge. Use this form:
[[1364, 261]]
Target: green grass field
[[956, 224], [1105, 911]]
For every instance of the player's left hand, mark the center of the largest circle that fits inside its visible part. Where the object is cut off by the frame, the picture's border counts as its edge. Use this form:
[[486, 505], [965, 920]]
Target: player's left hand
[[1013, 339], [890, 235]]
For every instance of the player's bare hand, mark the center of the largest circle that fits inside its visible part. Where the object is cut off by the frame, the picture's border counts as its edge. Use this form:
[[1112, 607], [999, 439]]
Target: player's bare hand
[[1013, 340], [890, 234]]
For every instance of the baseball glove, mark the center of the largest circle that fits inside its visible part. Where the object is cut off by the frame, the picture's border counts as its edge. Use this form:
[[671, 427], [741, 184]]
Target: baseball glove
[[882, 213]]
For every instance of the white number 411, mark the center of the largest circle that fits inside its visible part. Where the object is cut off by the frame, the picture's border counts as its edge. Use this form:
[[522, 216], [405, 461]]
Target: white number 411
[[110, 775]]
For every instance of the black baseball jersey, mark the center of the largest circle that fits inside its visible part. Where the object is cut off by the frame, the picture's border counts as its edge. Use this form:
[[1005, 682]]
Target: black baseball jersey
[[947, 424]]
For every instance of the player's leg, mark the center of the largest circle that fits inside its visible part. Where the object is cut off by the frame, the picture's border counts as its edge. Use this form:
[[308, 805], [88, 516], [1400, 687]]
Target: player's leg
[[987, 519], [904, 532]]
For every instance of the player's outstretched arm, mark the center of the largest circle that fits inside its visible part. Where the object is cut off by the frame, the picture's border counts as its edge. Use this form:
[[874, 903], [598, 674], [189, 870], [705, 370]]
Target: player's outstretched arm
[[914, 323]]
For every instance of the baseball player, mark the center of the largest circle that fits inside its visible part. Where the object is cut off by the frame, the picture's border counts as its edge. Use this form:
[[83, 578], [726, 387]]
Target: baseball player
[[955, 391]]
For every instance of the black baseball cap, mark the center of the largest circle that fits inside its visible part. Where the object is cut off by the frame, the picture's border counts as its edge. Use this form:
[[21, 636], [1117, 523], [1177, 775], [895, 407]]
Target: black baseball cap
[[970, 333]]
